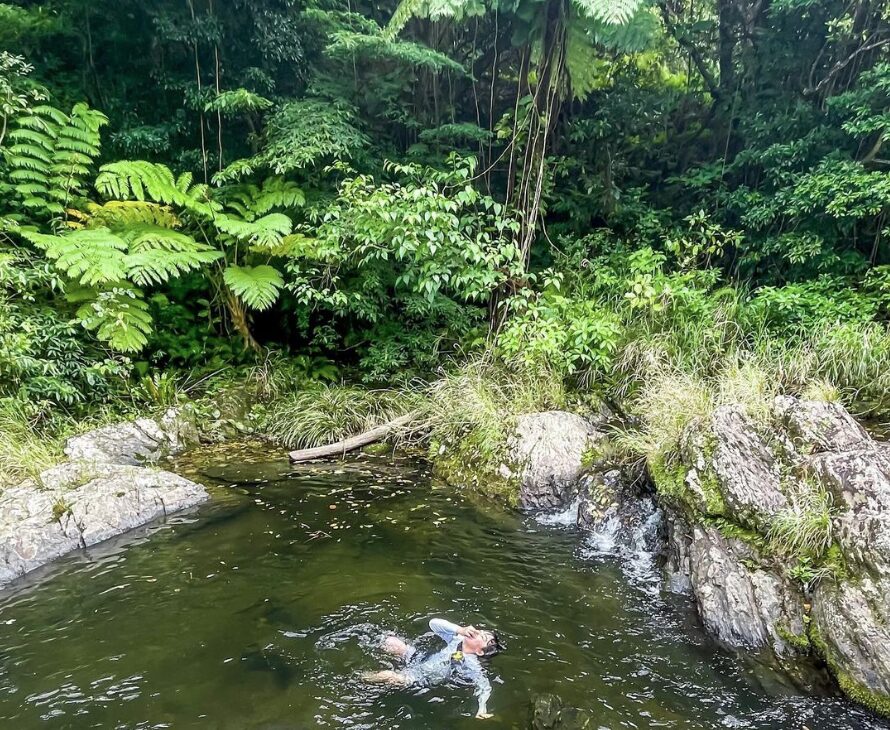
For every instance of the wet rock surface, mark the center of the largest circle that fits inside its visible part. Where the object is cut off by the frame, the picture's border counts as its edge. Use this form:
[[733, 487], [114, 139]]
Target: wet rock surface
[[135, 442], [742, 582], [549, 450], [101, 492], [739, 604], [712, 523]]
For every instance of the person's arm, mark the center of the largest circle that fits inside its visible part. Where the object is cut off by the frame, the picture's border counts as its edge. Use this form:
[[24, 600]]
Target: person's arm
[[482, 692], [447, 630]]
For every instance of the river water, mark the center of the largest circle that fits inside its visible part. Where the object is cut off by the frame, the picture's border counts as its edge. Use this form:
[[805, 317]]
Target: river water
[[260, 608]]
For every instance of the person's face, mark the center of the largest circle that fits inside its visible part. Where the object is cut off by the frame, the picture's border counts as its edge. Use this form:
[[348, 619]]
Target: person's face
[[477, 644]]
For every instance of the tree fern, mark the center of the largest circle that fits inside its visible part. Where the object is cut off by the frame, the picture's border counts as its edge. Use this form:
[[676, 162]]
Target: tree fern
[[153, 182], [613, 12], [256, 286], [51, 157], [250, 201], [87, 256], [158, 265], [265, 232], [119, 317]]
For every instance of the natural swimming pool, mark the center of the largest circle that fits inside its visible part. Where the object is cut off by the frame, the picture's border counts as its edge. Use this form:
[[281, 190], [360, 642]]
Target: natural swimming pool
[[252, 612]]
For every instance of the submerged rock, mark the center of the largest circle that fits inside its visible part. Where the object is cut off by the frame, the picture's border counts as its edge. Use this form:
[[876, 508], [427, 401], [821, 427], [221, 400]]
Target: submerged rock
[[76, 505], [549, 713], [135, 442], [549, 450]]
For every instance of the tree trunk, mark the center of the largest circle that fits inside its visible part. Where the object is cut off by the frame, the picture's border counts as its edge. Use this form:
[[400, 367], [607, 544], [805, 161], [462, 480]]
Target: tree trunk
[[351, 444]]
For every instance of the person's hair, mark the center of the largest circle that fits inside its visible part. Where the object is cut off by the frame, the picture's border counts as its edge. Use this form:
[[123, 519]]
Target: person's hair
[[494, 645]]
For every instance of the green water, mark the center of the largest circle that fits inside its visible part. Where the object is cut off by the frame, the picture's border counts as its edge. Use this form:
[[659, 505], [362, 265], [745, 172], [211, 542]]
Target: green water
[[252, 612]]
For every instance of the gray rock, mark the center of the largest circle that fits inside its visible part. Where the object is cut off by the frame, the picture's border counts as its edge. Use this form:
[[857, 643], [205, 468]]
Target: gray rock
[[677, 560], [548, 450], [619, 504], [135, 442], [76, 505], [816, 426], [746, 470], [853, 622], [859, 482], [740, 604], [604, 495]]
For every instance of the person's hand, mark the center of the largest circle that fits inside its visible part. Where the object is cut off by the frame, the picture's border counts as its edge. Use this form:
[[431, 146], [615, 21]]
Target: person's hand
[[483, 715], [470, 632]]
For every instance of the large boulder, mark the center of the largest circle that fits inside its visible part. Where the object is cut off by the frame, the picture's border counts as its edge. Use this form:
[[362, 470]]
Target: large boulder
[[78, 504], [740, 601], [548, 451], [733, 478], [144, 440], [731, 469], [852, 631]]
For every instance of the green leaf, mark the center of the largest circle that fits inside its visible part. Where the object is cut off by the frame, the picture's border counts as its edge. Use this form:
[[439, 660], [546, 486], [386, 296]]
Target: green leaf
[[256, 286]]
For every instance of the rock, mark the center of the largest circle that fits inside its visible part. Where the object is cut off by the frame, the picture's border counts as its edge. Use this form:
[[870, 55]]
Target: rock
[[740, 604], [852, 631], [859, 482], [603, 495], [549, 713], [746, 471], [80, 504], [816, 426], [135, 442], [677, 560], [745, 475], [548, 450]]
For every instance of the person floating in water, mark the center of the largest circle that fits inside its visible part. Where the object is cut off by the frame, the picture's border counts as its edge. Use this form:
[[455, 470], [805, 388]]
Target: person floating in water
[[458, 660]]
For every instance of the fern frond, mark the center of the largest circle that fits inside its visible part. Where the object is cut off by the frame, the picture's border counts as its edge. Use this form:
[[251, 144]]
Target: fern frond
[[266, 232], [129, 214], [405, 10], [159, 265], [613, 12], [256, 286], [89, 256], [120, 317], [39, 138]]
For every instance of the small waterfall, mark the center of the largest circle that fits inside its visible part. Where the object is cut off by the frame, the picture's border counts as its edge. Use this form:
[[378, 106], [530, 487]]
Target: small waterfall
[[566, 517], [632, 535]]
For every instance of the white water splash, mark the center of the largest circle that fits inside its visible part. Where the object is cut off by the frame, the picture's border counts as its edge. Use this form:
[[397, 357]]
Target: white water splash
[[635, 548], [567, 517]]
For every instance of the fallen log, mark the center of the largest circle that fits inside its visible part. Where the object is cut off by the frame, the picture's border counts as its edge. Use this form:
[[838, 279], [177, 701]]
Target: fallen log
[[352, 443]]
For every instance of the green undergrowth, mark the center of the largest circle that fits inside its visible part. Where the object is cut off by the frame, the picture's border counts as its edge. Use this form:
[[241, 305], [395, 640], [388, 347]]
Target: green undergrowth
[[26, 448], [471, 413], [324, 414]]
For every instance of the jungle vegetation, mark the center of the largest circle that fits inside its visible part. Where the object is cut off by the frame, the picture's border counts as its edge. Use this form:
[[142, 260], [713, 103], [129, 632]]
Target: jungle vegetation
[[481, 205]]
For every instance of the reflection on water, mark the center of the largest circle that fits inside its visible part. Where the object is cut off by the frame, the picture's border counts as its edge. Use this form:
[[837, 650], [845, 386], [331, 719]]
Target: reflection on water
[[258, 611]]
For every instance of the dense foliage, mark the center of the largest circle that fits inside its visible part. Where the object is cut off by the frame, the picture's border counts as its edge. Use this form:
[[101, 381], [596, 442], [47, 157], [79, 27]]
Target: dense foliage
[[609, 191]]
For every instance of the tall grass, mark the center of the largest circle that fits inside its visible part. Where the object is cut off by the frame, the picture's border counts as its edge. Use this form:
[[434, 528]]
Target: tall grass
[[483, 398], [324, 414], [25, 451]]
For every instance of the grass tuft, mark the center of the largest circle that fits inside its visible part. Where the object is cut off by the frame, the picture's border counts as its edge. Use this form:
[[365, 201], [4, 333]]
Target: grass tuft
[[24, 450], [324, 414]]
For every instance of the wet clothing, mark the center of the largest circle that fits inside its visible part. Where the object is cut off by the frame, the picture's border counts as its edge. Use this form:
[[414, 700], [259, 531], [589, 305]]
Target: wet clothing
[[449, 663]]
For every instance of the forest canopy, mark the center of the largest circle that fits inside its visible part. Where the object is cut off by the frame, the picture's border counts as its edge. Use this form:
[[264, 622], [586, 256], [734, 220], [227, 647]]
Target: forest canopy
[[378, 191]]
